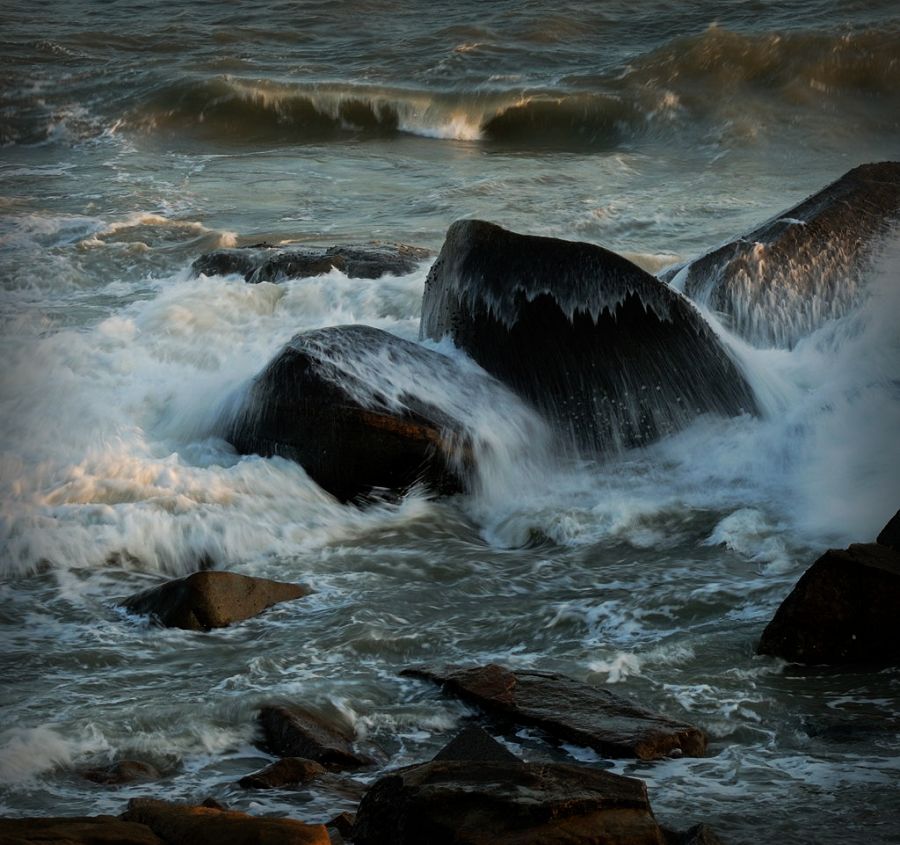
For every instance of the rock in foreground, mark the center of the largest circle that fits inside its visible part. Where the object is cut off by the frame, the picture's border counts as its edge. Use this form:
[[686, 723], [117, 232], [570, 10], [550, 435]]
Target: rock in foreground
[[267, 263], [505, 803], [609, 354], [844, 609], [570, 710], [296, 732], [785, 278], [96, 830], [211, 599]]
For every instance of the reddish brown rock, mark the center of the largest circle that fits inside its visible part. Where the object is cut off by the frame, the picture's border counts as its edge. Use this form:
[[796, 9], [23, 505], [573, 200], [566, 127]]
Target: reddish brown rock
[[181, 825], [121, 772], [98, 830], [296, 732], [211, 599], [844, 609], [505, 803], [289, 771], [570, 710]]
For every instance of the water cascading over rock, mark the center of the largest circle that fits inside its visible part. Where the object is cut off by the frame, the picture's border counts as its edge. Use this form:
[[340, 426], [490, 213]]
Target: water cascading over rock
[[781, 281], [609, 354]]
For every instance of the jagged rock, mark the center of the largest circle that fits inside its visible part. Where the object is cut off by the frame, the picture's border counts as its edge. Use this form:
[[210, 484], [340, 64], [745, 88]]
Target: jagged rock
[[96, 830], [844, 609], [890, 534], [122, 771], [289, 771], [570, 710], [609, 354], [345, 402], [475, 744], [183, 825], [296, 732], [268, 263], [211, 599], [504, 803], [803, 267]]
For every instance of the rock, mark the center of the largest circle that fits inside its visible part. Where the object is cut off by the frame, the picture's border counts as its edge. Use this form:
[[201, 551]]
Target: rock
[[781, 281], [183, 825], [699, 834], [97, 830], [213, 803], [570, 711], [609, 354], [890, 534], [122, 771], [361, 410], [289, 771], [211, 599], [501, 803], [268, 263], [844, 609], [343, 823], [475, 744], [295, 732]]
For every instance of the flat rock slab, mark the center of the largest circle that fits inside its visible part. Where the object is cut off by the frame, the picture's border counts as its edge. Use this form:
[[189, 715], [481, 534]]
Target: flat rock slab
[[296, 732], [96, 830], [268, 263], [505, 803], [570, 710], [844, 609], [210, 599]]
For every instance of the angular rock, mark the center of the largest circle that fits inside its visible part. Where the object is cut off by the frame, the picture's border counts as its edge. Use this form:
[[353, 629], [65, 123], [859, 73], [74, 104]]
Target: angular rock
[[96, 830], [505, 803], [183, 825], [289, 771], [211, 599], [844, 609], [475, 744], [570, 710], [295, 732], [605, 351], [781, 281], [699, 834], [362, 410], [268, 263], [122, 771], [890, 534], [342, 823]]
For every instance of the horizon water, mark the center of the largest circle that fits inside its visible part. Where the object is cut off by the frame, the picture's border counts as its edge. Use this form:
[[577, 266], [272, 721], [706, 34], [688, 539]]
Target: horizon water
[[136, 137]]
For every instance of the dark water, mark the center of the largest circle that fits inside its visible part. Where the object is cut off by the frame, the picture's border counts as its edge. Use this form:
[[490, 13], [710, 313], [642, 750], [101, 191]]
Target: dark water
[[136, 137]]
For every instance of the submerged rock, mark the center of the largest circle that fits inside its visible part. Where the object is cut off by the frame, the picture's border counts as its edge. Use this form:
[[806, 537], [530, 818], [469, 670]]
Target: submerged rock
[[289, 771], [296, 732], [95, 830], [475, 744], [844, 609], [505, 803], [609, 354], [362, 410], [178, 824], [781, 281], [268, 263], [211, 599], [570, 710], [699, 834], [121, 772]]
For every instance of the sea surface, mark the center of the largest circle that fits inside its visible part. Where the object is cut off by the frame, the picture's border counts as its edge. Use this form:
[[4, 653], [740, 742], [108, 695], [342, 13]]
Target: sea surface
[[136, 136]]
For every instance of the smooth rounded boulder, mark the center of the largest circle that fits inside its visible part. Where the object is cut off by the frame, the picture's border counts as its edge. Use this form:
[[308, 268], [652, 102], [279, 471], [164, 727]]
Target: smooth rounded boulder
[[784, 279], [610, 355]]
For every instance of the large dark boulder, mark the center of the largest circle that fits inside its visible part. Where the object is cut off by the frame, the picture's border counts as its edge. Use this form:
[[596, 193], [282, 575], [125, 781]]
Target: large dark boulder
[[359, 409], [268, 263], [844, 609], [570, 710], [608, 353], [505, 803], [475, 744], [784, 279], [211, 599], [298, 732]]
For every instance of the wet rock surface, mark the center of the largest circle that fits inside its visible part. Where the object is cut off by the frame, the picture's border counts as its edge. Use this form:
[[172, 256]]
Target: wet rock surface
[[297, 732], [122, 772], [785, 278], [289, 771], [501, 803], [271, 263], [569, 710], [475, 744], [610, 355], [211, 599], [95, 830], [844, 609]]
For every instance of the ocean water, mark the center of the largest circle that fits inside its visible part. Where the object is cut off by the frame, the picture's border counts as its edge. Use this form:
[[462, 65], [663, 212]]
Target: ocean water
[[137, 136]]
